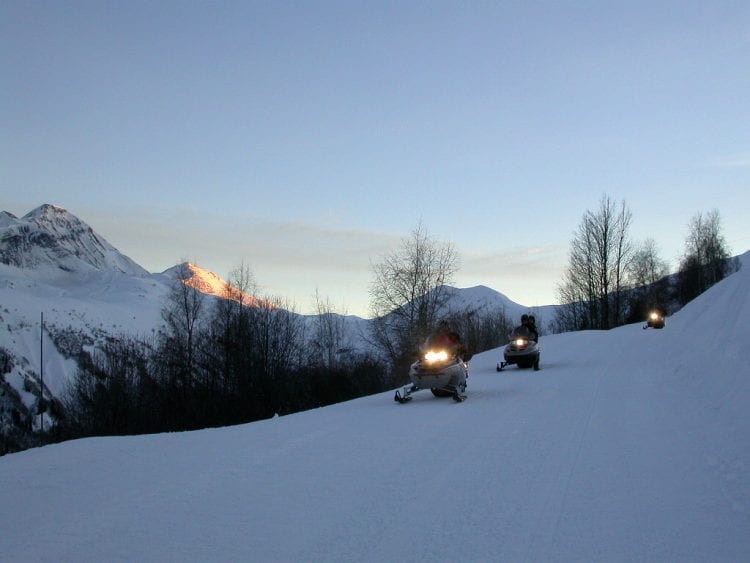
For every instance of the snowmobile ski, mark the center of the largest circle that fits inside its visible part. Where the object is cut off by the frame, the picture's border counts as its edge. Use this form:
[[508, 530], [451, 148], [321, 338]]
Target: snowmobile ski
[[399, 398], [404, 395]]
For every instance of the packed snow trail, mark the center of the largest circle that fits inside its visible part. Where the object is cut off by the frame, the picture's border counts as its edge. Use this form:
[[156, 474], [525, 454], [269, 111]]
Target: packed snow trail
[[627, 445]]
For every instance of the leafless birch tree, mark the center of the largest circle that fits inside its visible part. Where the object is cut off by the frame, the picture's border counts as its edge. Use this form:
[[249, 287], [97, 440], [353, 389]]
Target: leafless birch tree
[[408, 293]]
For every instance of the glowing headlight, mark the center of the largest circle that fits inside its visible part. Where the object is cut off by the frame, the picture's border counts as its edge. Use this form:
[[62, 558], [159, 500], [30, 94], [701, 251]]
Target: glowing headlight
[[436, 356], [520, 342], [654, 316]]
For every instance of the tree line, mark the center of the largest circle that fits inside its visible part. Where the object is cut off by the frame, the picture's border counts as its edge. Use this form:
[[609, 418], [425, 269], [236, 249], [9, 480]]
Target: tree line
[[216, 361], [611, 280], [242, 358]]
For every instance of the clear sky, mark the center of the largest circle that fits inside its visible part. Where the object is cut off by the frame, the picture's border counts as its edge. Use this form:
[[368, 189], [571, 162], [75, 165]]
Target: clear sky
[[305, 139]]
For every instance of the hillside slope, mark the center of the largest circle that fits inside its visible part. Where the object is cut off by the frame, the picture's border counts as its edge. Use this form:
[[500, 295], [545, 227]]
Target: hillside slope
[[630, 444]]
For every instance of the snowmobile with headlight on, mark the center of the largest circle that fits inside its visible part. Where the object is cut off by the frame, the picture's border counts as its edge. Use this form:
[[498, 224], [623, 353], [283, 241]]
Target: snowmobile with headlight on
[[521, 350], [655, 320], [440, 368]]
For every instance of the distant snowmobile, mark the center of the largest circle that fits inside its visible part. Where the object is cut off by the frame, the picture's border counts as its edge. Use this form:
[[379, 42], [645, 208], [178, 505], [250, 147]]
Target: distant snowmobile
[[655, 320], [520, 350], [441, 371]]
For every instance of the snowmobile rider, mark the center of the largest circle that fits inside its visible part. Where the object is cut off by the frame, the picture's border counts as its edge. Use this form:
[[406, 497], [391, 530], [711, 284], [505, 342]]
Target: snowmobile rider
[[523, 329], [444, 337], [535, 337], [528, 328], [534, 333]]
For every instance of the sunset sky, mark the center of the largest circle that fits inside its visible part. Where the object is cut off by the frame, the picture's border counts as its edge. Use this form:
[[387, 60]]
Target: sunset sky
[[305, 139]]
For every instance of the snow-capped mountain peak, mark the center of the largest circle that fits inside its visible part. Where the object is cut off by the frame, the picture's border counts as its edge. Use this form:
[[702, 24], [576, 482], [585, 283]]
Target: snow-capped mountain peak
[[7, 219], [51, 236], [49, 212], [208, 282]]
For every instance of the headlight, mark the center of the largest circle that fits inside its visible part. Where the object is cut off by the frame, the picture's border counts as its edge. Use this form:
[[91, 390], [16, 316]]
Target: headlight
[[520, 342], [654, 316], [436, 356]]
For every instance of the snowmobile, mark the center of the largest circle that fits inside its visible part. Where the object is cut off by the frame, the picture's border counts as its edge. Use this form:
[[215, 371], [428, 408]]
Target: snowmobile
[[520, 350], [655, 320], [441, 371]]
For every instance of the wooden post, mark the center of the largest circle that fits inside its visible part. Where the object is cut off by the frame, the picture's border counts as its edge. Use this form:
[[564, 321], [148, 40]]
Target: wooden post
[[41, 373]]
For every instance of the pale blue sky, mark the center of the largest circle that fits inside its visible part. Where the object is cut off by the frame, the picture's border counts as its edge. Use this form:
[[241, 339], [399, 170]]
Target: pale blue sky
[[304, 139]]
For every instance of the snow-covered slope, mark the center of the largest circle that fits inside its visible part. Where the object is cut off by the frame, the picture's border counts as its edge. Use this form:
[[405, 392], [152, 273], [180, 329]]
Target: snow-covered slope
[[628, 445], [95, 304]]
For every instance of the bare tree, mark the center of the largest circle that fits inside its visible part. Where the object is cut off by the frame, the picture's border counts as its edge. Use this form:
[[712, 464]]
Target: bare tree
[[408, 293], [706, 259], [578, 290], [112, 391], [182, 314], [593, 285], [276, 347], [329, 336], [623, 253], [646, 267], [647, 276], [231, 337]]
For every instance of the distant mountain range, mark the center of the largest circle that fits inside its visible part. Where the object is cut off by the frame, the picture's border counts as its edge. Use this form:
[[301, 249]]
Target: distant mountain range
[[53, 263]]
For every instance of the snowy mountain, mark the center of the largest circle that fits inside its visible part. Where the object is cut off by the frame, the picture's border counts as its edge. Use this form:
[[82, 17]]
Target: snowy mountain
[[203, 280], [50, 236], [483, 299], [208, 283], [628, 445]]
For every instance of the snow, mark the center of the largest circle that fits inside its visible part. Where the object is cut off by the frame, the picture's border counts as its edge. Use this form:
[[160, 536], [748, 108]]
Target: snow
[[94, 302], [628, 445]]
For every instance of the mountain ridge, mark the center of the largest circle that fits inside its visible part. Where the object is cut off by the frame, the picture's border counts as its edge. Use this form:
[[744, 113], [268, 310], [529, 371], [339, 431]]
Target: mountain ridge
[[50, 236]]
